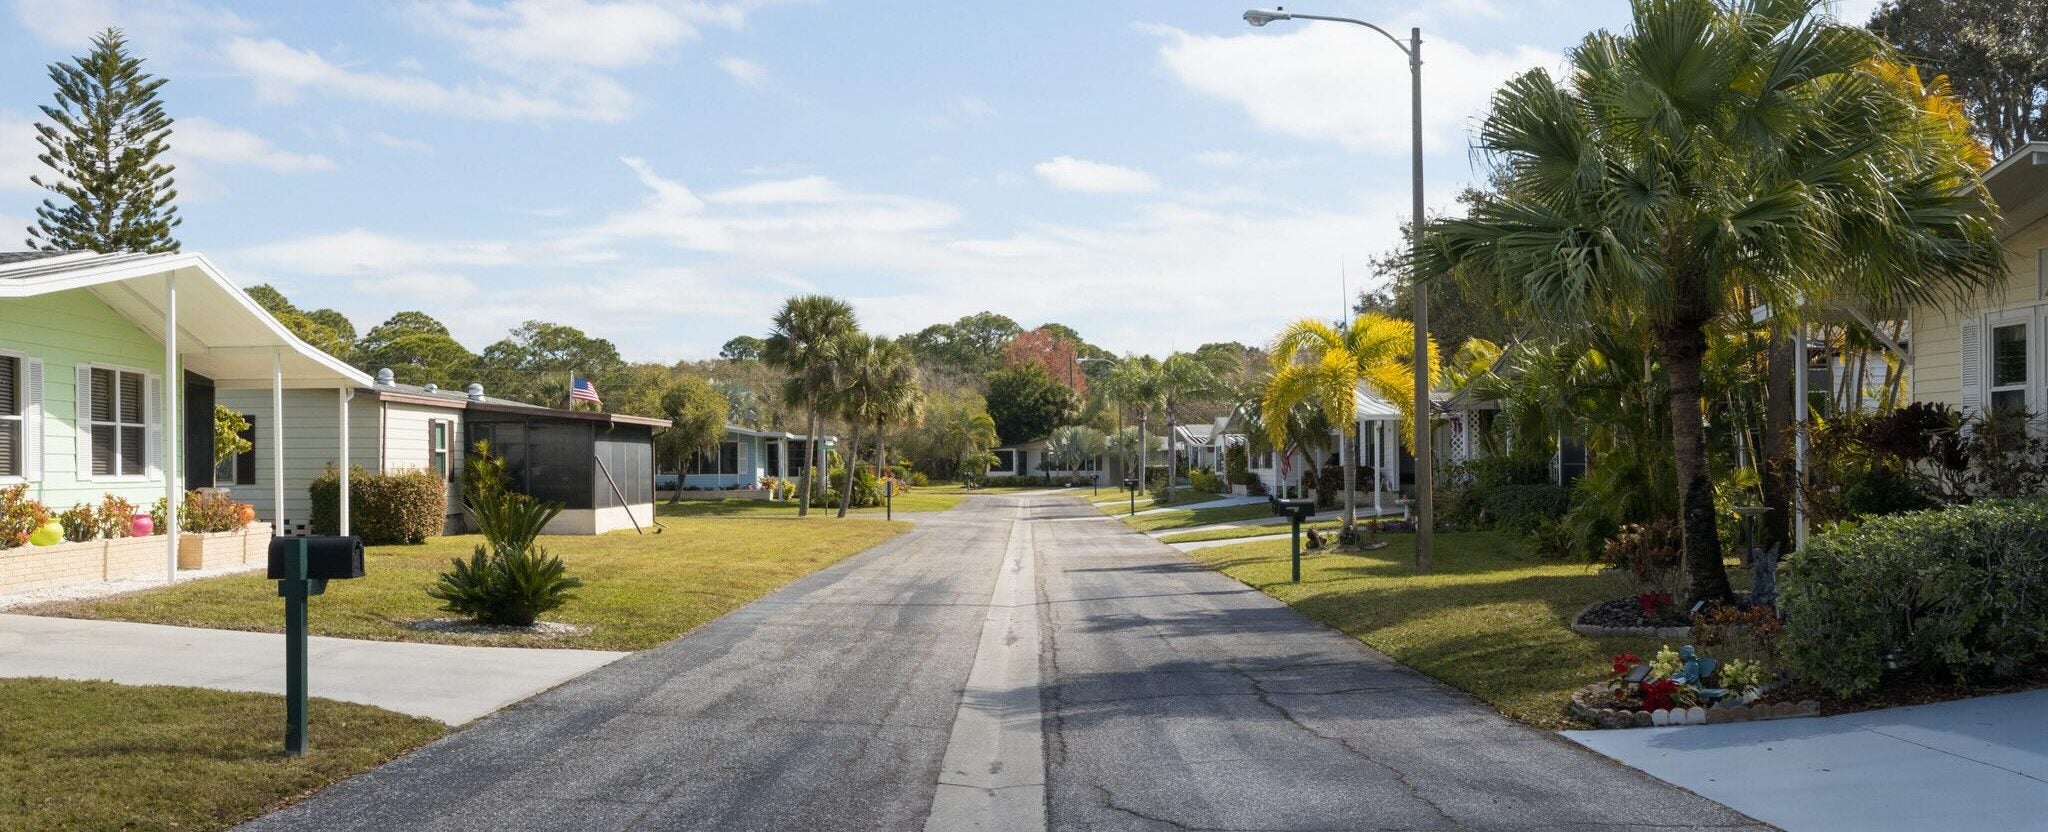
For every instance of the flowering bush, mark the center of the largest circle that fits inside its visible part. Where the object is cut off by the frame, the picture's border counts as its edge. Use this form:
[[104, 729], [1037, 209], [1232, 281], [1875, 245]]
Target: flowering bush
[[19, 516], [1659, 694], [1742, 676], [114, 517], [80, 523], [1625, 662]]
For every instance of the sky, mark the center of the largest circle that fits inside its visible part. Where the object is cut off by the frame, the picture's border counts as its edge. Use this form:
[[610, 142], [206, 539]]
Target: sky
[[663, 173]]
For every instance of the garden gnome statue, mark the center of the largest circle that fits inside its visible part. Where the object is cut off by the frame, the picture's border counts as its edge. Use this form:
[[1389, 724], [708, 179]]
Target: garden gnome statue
[[1763, 576]]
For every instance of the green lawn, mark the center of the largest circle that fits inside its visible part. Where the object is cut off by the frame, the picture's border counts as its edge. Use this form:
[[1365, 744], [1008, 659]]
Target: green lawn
[[639, 591], [1491, 619], [95, 755], [1247, 531], [1184, 518]]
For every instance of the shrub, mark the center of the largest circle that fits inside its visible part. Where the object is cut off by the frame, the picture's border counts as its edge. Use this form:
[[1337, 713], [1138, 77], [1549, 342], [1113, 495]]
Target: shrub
[[1256, 488], [484, 479], [80, 523], [1203, 479], [407, 507], [1652, 554], [1961, 591], [1237, 465], [919, 480], [867, 488], [200, 512], [1522, 507], [510, 579], [115, 516], [19, 516], [1329, 485]]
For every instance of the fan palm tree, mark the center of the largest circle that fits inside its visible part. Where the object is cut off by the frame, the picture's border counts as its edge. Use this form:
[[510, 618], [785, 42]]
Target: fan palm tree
[[798, 344], [1135, 383], [899, 395], [1718, 149], [1183, 380], [859, 393], [1321, 366], [1073, 446]]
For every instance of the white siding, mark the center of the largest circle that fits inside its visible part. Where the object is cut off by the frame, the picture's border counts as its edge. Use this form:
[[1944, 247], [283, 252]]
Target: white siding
[[383, 437], [1936, 354]]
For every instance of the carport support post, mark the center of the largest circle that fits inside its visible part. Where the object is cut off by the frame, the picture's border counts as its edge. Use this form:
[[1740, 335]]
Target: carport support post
[[173, 473], [346, 393], [295, 588], [277, 439]]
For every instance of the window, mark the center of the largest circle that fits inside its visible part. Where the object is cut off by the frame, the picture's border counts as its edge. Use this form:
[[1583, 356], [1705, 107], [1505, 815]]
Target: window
[[439, 434], [727, 462], [1005, 460], [239, 469], [2009, 368], [118, 426], [13, 418]]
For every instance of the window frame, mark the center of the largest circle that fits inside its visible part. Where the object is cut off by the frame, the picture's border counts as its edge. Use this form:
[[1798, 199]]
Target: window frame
[[85, 474], [2028, 387], [440, 447], [18, 417]]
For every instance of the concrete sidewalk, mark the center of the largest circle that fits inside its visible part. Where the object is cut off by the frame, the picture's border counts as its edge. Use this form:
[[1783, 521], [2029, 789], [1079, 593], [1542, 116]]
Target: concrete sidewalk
[[1220, 502], [454, 684], [1977, 764]]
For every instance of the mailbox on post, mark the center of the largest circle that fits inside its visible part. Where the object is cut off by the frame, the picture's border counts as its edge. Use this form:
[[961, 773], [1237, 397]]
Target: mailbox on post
[[1131, 485], [1295, 511], [302, 566]]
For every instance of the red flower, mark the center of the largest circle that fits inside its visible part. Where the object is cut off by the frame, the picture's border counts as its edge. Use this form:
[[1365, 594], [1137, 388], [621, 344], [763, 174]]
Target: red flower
[[1651, 602], [1624, 663], [1657, 694]]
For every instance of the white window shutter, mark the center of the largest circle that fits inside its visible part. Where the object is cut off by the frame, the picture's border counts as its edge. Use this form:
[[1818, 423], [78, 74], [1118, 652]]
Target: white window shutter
[[83, 427], [1970, 348], [32, 419], [153, 441]]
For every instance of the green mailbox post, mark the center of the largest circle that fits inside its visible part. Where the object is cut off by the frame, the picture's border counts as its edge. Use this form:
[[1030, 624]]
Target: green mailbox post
[[1131, 485], [302, 566], [1295, 511], [889, 495]]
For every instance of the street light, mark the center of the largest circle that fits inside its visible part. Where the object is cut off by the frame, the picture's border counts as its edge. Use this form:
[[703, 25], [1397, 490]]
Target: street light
[[1425, 474]]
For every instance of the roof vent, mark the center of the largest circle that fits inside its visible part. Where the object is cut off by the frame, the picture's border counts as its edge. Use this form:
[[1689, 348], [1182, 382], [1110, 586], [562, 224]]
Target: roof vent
[[431, 387], [475, 391], [385, 378]]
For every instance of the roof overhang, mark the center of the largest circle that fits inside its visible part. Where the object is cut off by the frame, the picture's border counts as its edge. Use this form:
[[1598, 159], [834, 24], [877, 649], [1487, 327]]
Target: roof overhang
[[222, 333], [2019, 183]]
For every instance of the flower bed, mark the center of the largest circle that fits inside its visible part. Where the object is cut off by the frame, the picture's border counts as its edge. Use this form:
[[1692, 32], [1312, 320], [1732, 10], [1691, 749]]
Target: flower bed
[[1597, 704], [211, 550], [29, 568]]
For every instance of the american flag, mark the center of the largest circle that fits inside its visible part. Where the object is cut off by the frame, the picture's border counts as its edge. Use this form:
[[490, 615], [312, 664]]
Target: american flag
[[581, 390]]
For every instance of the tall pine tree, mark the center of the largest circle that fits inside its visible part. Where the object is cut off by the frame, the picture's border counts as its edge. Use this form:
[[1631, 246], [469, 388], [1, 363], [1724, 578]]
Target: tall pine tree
[[102, 146]]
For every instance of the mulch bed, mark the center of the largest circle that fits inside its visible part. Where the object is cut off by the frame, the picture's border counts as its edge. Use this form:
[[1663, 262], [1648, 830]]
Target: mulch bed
[[1628, 612]]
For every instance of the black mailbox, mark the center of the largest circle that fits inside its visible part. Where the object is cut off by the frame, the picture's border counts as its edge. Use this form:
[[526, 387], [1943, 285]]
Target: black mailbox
[[1130, 483], [1296, 510], [327, 557]]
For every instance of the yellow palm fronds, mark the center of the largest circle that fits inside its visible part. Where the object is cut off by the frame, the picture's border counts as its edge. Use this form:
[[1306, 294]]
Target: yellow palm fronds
[[1317, 364]]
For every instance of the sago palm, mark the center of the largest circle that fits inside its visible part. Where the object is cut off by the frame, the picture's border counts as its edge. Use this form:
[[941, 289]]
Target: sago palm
[[1718, 147], [1322, 366], [803, 329]]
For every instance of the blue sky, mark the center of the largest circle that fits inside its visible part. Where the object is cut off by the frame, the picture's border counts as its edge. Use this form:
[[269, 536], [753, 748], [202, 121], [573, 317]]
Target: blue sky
[[1154, 173]]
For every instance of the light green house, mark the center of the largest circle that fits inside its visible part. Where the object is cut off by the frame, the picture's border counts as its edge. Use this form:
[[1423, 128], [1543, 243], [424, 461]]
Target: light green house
[[95, 399]]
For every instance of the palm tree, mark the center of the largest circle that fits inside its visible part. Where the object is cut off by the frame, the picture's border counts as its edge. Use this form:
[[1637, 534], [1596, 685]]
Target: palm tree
[[859, 390], [899, 395], [1319, 365], [1717, 150], [1135, 383], [798, 343], [1073, 446], [1183, 380]]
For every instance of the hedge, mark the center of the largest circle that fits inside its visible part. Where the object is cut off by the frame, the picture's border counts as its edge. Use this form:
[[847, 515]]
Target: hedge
[[1522, 507], [406, 507], [1961, 592]]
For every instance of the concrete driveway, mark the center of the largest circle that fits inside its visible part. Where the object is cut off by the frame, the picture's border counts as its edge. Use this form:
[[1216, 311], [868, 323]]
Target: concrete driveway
[[1975, 764], [451, 683], [1018, 663]]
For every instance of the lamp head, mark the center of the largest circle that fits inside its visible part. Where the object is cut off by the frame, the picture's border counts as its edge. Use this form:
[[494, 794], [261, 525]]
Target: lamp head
[[1261, 17]]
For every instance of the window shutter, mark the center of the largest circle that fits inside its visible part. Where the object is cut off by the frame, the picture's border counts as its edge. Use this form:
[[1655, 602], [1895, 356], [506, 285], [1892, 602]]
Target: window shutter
[[153, 439], [32, 419], [1970, 347], [82, 398]]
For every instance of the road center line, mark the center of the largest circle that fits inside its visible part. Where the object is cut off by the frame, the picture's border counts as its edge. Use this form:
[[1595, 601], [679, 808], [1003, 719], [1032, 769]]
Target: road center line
[[993, 777]]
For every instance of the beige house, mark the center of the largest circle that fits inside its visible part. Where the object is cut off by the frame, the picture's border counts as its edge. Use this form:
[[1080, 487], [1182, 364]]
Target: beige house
[[1991, 354]]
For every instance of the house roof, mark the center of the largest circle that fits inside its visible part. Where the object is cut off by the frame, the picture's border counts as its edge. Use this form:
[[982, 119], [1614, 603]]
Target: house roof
[[222, 333], [1372, 408], [2019, 183], [460, 400], [777, 434]]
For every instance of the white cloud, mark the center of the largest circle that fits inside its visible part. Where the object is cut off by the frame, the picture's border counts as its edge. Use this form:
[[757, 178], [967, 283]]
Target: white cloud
[[439, 285], [744, 71], [386, 140], [282, 72], [18, 149], [1333, 83], [197, 137], [1070, 174], [160, 28], [556, 33], [959, 112]]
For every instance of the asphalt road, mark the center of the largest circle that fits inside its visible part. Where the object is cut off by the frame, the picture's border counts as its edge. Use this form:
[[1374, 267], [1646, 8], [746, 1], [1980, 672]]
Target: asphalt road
[[1020, 663]]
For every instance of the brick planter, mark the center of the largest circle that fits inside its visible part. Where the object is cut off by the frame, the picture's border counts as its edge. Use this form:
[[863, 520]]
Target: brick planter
[[29, 568], [211, 550]]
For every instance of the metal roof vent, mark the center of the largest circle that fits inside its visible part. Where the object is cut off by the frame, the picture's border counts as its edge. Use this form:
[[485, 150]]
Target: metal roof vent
[[385, 378], [431, 387], [475, 391]]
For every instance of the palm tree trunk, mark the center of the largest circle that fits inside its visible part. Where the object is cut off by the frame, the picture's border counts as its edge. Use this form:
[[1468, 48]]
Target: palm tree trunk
[[1144, 453], [1684, 346], [803, 487], [1776, 462], [852, 462]]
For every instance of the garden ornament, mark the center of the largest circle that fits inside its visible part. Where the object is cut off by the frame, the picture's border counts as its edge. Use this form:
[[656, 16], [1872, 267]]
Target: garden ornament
[[49, 534], [1693, 670], [1763, 573]]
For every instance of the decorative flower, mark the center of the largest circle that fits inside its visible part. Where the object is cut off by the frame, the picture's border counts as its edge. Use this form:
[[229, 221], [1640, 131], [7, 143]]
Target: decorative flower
[[1665, 663], [1657, 694], [1625, 662]]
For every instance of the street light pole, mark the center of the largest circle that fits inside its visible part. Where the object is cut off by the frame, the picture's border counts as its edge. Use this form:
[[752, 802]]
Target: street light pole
[[1425, 472]]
